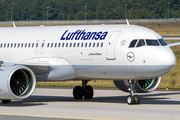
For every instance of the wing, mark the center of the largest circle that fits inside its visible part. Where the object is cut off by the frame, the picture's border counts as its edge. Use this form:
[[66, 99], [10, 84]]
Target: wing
[[50, 68], [36, 67], [174, 44]]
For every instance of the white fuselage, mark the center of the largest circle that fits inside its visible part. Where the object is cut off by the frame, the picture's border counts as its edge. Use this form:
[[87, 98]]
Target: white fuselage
[[105, 53]]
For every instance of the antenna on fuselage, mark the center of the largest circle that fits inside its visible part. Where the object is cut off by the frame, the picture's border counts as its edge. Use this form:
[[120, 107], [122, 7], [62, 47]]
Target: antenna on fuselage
[[14, 25], [127, 22]]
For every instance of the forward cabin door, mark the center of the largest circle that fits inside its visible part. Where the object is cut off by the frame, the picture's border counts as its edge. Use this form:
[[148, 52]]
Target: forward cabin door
[[110, 50]]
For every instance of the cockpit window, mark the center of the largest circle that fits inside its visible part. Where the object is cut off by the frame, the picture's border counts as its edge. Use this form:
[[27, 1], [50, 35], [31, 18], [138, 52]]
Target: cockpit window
[[163, 43], [133, 43], [141, 43], [152, 42]]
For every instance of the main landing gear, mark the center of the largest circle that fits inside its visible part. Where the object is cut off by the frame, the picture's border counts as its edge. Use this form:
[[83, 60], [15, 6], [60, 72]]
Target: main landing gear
[[132, 99], [85, 90]]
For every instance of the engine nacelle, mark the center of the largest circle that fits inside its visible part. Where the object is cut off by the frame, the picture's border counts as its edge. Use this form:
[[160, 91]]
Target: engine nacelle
[[142, 86], [16, 82]]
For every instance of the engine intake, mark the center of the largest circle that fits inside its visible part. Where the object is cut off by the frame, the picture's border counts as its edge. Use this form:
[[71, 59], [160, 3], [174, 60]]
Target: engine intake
[[142, 86], [16, 82]]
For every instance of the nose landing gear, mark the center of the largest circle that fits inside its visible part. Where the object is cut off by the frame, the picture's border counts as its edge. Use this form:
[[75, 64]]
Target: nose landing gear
[[132, 99], [85, 90]]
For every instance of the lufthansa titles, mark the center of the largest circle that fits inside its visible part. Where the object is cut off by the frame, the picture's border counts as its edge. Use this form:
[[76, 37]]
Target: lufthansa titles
[[83, 35]]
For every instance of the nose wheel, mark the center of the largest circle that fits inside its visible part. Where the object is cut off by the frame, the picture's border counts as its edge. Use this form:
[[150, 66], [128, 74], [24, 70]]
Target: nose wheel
[[85, 91], [132, 99]]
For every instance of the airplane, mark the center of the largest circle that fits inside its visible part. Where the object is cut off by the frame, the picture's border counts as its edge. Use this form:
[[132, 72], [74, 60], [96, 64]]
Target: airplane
[[134, 57]]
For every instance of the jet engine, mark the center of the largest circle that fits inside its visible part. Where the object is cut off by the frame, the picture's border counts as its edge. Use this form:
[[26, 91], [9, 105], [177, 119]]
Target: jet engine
[[142, 86], [16, 82]]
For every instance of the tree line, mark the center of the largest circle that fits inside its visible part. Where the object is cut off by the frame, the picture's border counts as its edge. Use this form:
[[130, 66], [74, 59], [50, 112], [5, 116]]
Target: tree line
[[87, 9]]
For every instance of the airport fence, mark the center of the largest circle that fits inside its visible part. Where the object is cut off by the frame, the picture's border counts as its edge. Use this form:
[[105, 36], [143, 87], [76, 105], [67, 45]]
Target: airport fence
[[113, 21]]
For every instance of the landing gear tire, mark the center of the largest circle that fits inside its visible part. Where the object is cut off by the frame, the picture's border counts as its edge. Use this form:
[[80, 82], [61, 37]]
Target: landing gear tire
[[78, 92], [6, 101], [88, 92], [136, 99], [130, 100]]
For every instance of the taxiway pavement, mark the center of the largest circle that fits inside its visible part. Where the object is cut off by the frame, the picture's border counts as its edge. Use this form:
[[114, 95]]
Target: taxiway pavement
[[171, 37], [107, 104]]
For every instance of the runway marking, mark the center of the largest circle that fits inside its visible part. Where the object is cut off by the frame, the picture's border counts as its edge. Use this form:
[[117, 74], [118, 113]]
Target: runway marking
[[46, 116]]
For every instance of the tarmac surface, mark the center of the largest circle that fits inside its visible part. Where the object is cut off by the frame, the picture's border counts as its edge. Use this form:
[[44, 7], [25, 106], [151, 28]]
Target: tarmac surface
[[107, 104]]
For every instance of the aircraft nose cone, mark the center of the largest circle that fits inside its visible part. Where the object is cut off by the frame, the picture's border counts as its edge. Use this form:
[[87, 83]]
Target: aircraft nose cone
[[166, 58]]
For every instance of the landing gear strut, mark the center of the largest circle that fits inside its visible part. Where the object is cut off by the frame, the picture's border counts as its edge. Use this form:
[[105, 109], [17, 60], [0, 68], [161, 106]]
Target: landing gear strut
[[132, 99], [85, 90]]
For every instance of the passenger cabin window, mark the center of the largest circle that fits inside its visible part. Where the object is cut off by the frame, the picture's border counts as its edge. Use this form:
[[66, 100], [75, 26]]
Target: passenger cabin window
[[141, 42], [93, 44], [32, 45], [66, 44], [89, 44], [36, 45], [162, 42], [55, 45], [42, 45], [59, 45], [74, 44], [152, 42], [133, 43], [48, 45], [101, 44], [97, 44]]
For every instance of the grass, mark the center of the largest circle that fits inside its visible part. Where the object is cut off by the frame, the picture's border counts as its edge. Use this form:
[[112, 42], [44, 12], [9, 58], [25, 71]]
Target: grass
[[163, 28], [93, 83]]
